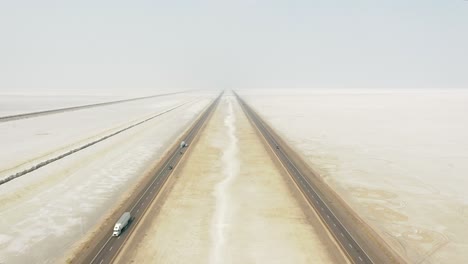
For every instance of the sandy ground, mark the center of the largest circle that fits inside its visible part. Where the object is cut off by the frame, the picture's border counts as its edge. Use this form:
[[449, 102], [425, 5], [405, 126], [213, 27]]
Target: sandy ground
[[47, 213], [398, 157], [229, 203]]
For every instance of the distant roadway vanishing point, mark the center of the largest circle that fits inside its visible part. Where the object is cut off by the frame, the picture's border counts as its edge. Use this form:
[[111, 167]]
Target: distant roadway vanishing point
[[357, 251]]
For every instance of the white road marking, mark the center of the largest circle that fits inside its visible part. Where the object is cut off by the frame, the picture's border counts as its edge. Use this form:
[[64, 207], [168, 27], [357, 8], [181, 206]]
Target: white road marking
[[342, 234], [110, 248], [328, 216], [351, 246], [360, 258], [101, 261], [99, 252], [334, 224]]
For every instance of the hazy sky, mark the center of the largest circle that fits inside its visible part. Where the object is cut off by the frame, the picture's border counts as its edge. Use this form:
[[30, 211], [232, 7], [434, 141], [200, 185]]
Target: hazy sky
[[111, 44]]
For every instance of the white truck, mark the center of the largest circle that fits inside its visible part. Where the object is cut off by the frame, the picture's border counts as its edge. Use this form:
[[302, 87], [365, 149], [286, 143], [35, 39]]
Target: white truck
[[121, 224], [183, 144]]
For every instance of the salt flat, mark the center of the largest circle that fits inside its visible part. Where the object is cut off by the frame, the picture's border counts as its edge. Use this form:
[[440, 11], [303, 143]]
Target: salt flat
[[48, 213], [398, 157], [27, 142]]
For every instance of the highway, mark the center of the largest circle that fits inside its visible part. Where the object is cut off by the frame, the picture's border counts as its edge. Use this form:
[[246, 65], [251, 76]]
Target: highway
[[74, 108], [345, 239], [107, 247]]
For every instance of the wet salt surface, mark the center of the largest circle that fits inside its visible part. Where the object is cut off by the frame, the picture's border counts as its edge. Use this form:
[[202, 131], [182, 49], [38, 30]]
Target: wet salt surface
[[399, 158], [34, 140]]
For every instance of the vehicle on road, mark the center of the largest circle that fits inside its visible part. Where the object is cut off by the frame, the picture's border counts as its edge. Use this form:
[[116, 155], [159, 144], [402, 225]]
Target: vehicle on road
[[183, 144], [121, 224]]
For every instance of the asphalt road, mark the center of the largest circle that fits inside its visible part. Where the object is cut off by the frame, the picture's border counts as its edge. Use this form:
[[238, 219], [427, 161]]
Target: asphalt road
[[350, 246], [105, 250], [74, 108]]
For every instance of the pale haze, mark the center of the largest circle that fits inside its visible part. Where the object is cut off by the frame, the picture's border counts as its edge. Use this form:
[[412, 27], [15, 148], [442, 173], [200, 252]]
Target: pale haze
[[115, 45], [276, 131]]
